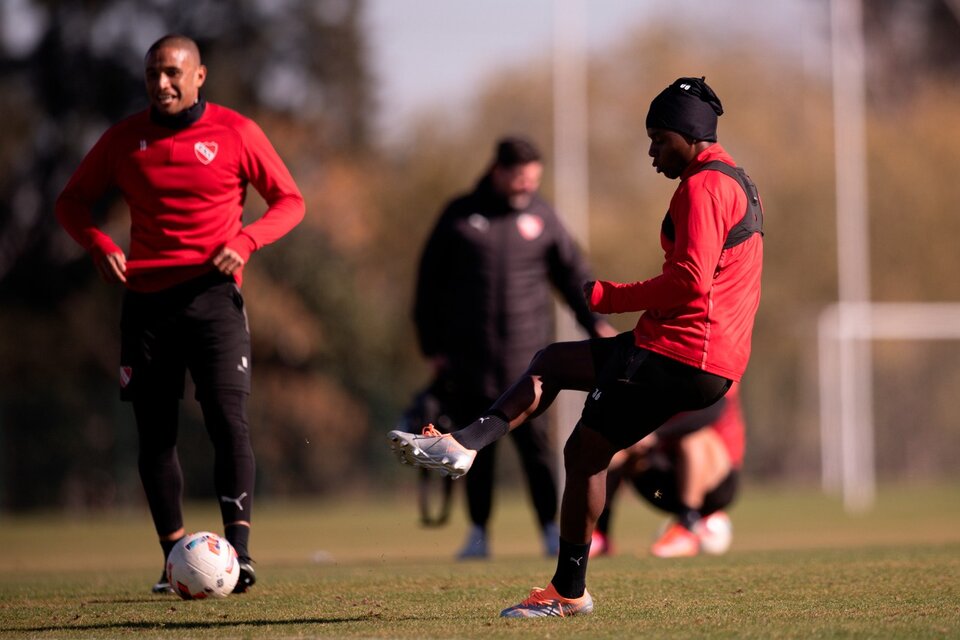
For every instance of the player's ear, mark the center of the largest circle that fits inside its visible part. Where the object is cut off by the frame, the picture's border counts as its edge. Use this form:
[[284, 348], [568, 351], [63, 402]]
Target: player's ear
[[201, 75]]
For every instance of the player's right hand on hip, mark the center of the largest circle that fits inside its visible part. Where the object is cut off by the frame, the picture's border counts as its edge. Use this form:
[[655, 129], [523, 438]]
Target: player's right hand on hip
[[113, 267]]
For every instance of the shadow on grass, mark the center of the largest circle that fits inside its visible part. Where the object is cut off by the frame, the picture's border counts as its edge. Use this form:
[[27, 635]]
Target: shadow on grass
[[138, 600], [159, 626]]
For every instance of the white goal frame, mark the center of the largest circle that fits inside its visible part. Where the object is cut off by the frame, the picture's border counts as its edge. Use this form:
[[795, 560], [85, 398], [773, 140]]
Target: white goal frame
[[845, 332]]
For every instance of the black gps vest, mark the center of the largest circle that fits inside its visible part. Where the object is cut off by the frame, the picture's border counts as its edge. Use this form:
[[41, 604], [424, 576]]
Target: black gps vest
[[752, 221]]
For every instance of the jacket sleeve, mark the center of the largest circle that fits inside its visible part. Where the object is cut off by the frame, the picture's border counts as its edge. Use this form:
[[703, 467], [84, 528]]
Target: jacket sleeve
[[432, 279], [568, 271], [268, 174], [689, 264], [74, 207]]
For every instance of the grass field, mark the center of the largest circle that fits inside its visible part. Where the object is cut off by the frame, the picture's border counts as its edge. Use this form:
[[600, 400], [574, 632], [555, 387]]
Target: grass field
[[799, 568]]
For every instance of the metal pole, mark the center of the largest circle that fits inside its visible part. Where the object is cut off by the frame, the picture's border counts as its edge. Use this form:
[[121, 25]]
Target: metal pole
[[571, 174], [853, 254]]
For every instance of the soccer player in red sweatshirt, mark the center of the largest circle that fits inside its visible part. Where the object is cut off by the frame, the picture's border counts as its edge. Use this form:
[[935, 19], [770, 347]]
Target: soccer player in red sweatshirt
[[689, 345], [183, 167]]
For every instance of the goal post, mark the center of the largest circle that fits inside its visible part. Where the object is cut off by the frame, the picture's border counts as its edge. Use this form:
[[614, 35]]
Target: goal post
[[845, 333]]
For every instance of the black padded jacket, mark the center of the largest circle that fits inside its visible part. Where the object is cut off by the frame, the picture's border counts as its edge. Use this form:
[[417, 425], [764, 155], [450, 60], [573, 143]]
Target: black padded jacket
[[483, 297]]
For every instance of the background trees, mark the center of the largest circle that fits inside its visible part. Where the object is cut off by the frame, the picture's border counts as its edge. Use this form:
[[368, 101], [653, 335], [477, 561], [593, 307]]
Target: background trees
[[334, 347]]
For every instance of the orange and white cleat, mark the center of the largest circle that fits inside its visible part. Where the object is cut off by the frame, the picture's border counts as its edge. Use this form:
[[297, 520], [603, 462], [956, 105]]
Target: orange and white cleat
[[715, 532], [676, 542], [432, 450], [547, 603]]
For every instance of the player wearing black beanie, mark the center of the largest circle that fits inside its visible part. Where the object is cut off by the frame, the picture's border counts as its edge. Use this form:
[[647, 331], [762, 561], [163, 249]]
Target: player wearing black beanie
[[688, 106], [690, 344]]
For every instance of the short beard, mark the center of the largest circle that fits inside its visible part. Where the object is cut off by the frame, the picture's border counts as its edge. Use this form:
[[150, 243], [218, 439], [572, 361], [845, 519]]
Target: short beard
[[519, 201]]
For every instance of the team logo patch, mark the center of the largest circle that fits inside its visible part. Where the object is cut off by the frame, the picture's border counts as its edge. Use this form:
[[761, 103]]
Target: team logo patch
[[125, 374], [206, 151], [530, 226]]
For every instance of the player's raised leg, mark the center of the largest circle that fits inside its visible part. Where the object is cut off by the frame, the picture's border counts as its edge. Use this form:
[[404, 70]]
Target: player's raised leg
[[562, 365]]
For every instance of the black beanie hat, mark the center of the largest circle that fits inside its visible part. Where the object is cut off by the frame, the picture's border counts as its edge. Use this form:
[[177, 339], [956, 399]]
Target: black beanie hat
[[688, 106]]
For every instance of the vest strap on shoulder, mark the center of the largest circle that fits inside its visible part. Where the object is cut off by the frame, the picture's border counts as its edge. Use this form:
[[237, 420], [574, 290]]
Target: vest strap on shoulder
[[752, 221]]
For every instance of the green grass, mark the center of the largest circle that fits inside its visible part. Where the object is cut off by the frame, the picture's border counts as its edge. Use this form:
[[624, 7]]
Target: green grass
[[799, 568]]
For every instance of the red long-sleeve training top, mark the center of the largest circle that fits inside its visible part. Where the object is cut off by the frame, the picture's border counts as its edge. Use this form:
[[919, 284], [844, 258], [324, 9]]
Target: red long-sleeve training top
[[185, 190], [700, 310]]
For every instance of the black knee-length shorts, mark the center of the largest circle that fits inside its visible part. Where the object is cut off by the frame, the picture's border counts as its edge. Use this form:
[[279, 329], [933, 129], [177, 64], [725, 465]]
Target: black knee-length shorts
[[199, 325], [638, 390]]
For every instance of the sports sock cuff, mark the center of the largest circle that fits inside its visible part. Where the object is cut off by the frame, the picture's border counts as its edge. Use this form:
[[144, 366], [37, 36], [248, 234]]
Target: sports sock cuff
[[496, 413], [238, 536], [167, 546], [688, 518], [570, 579], [483, 431]]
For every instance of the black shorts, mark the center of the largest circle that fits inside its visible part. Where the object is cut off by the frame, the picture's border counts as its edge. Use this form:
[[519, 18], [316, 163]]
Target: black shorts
[[199, 325], [638, 390]]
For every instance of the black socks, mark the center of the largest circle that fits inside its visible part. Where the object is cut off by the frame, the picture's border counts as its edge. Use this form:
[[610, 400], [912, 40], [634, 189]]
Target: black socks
[[688, 518], [570, 580], [238, 535], [483, 431], [167, 546]]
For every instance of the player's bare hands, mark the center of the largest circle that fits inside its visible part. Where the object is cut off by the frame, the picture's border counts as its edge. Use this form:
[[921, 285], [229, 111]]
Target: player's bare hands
[[113, 267], [227, 261]]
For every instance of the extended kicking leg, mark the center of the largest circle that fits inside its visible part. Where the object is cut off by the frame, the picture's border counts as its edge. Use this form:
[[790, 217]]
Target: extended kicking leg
[[562, 365]]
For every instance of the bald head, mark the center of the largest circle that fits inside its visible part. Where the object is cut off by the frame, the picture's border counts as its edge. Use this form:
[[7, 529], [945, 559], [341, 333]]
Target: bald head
[[173, 74], [176, 41]]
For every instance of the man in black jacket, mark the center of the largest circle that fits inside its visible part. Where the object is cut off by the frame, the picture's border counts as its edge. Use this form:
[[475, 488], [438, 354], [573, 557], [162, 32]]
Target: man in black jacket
[[484, 308]]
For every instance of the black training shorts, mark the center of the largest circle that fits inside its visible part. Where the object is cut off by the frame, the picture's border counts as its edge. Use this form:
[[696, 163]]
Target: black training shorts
[[638, 390], [199, 325]]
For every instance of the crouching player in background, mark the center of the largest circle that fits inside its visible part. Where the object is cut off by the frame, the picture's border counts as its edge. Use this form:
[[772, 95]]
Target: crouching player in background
[[689, 468]]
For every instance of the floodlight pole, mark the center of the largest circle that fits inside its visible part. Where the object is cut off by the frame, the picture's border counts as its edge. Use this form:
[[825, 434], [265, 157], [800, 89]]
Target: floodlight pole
[[855, 440], [570, 175]]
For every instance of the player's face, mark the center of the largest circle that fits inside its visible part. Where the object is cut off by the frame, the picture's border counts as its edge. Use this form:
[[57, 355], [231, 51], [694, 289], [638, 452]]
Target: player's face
[[671, 151], [519, 183], [174, 76]]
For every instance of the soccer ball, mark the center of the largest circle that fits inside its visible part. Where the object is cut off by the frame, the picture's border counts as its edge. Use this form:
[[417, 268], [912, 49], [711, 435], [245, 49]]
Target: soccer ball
[[203, 565]]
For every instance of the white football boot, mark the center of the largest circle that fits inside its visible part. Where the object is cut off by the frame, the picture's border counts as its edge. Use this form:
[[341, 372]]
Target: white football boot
[[432, 450]]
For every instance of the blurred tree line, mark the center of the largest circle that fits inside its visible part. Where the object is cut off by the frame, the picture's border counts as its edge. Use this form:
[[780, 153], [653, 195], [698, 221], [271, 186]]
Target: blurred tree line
[[335, 359]]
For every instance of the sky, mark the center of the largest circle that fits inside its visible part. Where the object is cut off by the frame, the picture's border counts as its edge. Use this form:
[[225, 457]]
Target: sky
[[428, 51], [425, 52]]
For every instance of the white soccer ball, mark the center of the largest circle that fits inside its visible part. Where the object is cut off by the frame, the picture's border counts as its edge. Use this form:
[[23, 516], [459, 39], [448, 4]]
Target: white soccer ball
[[203, 565], [715, 533]]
